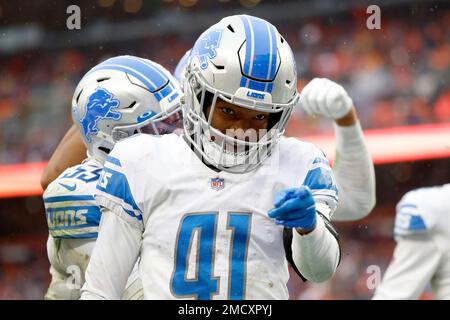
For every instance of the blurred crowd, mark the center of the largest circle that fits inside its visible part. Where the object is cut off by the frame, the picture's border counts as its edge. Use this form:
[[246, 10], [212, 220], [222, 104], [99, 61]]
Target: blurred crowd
[[398, 75], [24, 267]]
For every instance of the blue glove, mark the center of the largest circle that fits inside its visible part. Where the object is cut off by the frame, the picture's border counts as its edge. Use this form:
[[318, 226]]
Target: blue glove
[[295, 208]]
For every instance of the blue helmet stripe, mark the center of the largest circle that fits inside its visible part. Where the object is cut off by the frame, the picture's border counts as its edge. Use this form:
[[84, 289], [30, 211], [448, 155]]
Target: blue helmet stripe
[[166, 91], [143, 67], [273, 57], [273, 52], [148, 84], [256, 85], [147, 72], [260, 54], [262, 50], [156, 68], [248, 50]]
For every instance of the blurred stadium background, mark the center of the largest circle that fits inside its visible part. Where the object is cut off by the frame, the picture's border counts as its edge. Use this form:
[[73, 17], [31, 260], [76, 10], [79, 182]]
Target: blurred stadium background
[[398, 77]]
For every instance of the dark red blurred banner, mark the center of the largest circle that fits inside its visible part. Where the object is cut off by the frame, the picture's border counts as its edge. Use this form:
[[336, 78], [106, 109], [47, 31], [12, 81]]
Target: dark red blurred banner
[[391, 145]]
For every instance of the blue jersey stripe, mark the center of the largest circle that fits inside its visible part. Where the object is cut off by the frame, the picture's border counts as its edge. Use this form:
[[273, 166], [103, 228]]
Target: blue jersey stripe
[[89, 235], [68, 198], [118, 187], [320, 179], [114, 161], [417, 223], [131, 213]]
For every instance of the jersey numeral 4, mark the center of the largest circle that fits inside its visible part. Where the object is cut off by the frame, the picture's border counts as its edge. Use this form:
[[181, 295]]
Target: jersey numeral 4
[[204, 285]]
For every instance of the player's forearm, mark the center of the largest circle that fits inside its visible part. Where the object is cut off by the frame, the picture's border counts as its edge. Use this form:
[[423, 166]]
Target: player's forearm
[[316, 255], [70, 151], [113, 258], [413, 265], [354, 173]]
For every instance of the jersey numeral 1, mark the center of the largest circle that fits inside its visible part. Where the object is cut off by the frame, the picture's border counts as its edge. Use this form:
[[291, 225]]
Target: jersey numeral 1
[[204, 285]]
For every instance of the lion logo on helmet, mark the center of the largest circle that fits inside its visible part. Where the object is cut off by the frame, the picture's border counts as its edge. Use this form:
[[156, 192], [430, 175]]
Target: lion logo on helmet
[[100, 106], [205, 47]]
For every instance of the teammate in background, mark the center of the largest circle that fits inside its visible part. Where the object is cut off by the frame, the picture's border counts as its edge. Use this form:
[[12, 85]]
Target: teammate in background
[[206, 212], [422, 254], [116, 99], [353, 167], [72, 150]]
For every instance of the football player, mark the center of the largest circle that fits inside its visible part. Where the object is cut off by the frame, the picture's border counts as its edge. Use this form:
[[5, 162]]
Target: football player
[[353, 167], [116, 99], [205, 212], [422, 253]]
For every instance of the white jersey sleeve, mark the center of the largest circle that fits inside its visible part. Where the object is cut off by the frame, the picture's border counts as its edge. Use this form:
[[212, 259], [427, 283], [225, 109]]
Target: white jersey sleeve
[[122, 195], [414, 263], [113, 258], [416, 213], [416, 256], [317, 254], [114, 191], [355, 174]]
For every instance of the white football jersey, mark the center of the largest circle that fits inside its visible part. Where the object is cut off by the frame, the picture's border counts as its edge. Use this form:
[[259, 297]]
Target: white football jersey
[[422, 255], [70, 206], [73, 218], [206, 234]]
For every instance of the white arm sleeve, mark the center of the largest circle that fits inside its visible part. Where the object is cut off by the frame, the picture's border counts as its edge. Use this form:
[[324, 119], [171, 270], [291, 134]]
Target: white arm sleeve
[[354, 173], [316, 254], [413, 265], [115, 253]]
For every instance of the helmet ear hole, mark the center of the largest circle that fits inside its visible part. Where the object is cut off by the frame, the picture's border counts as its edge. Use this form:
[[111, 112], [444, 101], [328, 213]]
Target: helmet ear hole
[[131, 105], [103, 79]]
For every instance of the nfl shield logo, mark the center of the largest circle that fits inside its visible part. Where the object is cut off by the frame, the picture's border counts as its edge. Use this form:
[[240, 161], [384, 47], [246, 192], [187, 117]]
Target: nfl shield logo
[[217, 183]]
